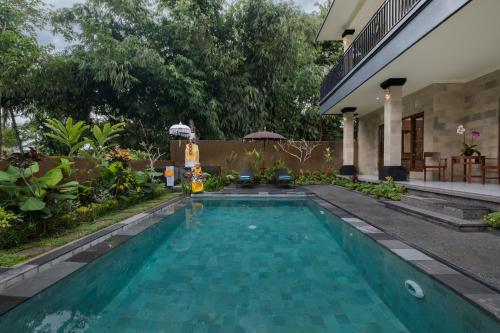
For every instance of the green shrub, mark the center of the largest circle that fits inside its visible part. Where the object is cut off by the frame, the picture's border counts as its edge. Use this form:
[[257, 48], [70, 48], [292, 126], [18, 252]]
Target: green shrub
[[493, 220], [386, 189], [84, 214], [215, 183], [186, 186], [314, 178], [11, 229], [7, 218], [38, 197]]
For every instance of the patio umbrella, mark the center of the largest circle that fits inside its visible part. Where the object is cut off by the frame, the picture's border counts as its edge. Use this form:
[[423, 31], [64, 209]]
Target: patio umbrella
[[180, 130], [264, 136]]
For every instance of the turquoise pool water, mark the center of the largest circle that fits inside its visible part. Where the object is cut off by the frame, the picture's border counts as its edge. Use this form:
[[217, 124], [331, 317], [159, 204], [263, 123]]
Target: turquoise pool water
[[247, 265]]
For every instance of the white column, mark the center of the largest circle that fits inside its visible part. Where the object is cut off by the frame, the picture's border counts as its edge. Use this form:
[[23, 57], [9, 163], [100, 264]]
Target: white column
[[348, 139], [348, 142], [393, 115], [347, 38]]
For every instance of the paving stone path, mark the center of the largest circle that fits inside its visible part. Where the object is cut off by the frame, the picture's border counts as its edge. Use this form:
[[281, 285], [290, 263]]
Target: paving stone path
[[476, 253]]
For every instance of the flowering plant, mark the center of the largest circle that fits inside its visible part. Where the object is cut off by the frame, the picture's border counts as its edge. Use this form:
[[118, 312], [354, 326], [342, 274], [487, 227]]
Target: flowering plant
[[469, 149]]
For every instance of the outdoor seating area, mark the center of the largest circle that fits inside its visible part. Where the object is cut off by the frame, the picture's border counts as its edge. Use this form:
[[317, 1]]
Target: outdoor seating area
[[463, 168]]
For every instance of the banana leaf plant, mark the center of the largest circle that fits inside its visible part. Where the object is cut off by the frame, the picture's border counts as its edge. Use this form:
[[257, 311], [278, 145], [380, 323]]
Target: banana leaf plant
[[69, 134], [22, 191], [102, 137]]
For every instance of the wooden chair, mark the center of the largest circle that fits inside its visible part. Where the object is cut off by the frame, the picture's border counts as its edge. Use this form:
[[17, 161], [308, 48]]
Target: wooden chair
[[491, 165], [440, 167]]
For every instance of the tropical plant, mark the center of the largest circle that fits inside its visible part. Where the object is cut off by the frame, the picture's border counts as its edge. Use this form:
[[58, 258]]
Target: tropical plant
[[493, 219], [328, 158], [186, 186], [215, 183], [119, 155], [120, 179], [316, 177], [231, 158], [254, 158], [11, 228], [7, 219], [35, 196], [386, 189], [102, 137], [69, 135], [147, 180]]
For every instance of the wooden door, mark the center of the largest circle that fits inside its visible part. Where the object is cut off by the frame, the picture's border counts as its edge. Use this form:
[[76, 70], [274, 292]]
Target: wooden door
[[412, 154], [380, 147], [418, 148]]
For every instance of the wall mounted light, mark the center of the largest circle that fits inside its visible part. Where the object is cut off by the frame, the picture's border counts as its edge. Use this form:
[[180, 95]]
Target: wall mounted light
[[387, 95]]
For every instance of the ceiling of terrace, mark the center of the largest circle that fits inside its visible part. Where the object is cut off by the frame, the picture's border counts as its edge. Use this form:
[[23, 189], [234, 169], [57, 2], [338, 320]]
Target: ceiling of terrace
[[461, 49], [347, 14]]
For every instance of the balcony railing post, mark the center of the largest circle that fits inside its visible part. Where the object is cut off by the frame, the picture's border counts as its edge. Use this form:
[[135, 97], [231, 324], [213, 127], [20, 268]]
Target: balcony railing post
[[387, 16]]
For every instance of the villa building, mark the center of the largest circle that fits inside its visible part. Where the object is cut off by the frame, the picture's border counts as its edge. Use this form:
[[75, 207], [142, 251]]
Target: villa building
[[411, 73]]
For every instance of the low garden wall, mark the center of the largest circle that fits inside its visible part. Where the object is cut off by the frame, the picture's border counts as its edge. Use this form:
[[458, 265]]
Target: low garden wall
[[86, 168], [234, 155]]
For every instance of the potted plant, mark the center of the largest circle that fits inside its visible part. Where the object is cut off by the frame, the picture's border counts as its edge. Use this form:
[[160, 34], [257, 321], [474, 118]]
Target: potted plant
[[469, 149]]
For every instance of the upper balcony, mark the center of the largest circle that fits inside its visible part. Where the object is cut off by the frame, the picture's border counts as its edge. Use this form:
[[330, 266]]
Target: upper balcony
[[390, 14], [424, 41]]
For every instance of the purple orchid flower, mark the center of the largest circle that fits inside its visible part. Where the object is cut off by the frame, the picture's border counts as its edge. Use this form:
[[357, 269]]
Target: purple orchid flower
[[475, 134]]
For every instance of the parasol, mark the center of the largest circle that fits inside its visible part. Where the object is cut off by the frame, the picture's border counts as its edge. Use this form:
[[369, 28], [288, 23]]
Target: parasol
[[180, 130], [264, 136]]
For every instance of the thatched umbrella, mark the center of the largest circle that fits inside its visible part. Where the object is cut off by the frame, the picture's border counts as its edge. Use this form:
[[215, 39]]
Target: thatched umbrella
[[264, 136]]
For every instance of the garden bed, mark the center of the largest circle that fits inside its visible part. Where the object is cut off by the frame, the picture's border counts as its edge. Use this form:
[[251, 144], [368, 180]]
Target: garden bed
[[16, 255]]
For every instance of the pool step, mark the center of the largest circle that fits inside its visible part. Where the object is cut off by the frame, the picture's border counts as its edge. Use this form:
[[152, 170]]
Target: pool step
[[441, 218], [446, 207]]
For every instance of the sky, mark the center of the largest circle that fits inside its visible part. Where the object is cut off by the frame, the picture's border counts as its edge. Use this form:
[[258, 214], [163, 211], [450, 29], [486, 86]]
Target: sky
[[46, 37]]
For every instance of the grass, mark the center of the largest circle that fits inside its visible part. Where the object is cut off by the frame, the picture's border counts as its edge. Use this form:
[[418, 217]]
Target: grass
[[24, 252]]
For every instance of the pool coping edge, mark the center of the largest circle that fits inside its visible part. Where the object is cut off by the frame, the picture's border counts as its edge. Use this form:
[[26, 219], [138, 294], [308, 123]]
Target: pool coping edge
[[477, 292], [55, 259]]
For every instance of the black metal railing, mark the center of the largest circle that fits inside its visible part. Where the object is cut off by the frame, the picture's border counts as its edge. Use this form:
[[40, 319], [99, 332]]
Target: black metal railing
[[386, 17]]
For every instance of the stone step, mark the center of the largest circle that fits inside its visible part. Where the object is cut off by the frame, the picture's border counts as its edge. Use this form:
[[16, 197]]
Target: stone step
[[465, 212], [438, 218], [423, 202], [446, 207]]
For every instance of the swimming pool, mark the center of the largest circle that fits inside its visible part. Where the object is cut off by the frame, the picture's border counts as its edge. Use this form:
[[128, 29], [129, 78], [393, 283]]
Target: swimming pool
[[247, 265]]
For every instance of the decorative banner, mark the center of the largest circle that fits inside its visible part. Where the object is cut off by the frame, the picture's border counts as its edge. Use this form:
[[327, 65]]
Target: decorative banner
[[169, 176]]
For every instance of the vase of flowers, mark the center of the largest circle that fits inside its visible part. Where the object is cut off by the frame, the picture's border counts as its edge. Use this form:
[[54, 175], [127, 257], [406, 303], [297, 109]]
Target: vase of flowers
[[469, 149]]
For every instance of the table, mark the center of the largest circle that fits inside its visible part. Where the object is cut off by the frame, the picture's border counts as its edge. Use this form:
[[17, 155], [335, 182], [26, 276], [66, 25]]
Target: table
[[468, 162]]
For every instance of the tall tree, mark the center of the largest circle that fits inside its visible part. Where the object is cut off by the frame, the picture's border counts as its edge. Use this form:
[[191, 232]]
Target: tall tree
[[231, 67], [19, 57]]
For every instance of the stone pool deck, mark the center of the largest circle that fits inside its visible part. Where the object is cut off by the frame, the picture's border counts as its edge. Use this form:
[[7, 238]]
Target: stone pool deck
[[475, 253]]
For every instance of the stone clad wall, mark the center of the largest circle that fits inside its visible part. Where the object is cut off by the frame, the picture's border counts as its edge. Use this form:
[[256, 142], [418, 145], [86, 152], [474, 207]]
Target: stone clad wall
[[481, 104], [474, 104]]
